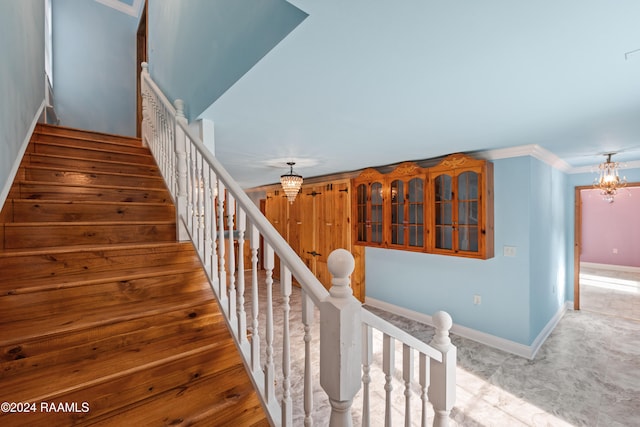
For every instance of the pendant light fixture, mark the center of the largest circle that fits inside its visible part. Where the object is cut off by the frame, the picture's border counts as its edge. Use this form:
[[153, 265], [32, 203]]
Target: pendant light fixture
[[608, 180], [291, 183]]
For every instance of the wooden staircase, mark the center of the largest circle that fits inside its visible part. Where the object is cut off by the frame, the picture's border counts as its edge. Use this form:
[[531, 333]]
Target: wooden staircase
[[105, 318]]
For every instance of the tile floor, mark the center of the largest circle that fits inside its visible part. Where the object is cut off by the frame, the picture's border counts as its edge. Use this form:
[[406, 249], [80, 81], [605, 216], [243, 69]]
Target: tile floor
[[587, 373]]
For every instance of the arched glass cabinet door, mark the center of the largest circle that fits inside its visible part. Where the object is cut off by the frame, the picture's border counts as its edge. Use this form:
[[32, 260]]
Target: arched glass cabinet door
[[397, 212], [376, 199], [415, 206], [362, 217], [444, 219], [468, 226]]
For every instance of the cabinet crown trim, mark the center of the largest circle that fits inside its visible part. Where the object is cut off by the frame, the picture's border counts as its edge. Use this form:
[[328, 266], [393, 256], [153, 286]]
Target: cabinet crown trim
[[406, 169]]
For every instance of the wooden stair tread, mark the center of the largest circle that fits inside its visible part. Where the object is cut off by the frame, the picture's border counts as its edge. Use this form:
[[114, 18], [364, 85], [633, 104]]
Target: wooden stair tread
[[61, 149], [206, 402], [17, 331], [34, 190], [18, 306], [86, 210], [46, 381], [80, 141], [97, 165], [85, 133], [100, 303], [85, 177], [157, 247], [15, 356], [39, 284]]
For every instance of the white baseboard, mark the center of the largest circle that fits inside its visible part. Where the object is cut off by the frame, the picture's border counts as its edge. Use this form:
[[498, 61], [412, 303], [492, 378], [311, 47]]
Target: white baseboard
[[23, 148], [624, 268], [527, 351]]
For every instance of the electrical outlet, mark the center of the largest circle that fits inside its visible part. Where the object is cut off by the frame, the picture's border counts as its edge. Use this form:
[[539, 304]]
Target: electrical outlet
[[509, 251], [615, 250], [477, 300]]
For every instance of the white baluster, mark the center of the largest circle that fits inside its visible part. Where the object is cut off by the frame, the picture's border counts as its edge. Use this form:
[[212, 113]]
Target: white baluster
[[287, 405], [206, 214], [442, 390], [307, 321], [388, 367], [199, 236], [181, 172], [254, 244], [367, 359], [221, 249], [215, 274], [340, 340], [424, 384], [242, 315], [269, 368], [231, 208], [407, 376]]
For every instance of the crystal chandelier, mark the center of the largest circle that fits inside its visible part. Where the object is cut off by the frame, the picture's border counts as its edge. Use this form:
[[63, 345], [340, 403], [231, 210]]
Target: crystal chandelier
[[291, 183], [608, 180]]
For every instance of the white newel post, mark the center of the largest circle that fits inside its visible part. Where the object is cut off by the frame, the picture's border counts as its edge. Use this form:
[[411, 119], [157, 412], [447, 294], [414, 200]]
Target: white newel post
[[442, 388], [181, 170], [340, 340]]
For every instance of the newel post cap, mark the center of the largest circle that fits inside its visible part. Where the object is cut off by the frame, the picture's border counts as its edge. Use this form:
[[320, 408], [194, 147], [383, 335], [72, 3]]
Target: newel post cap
[[341, 264], [443, 323]]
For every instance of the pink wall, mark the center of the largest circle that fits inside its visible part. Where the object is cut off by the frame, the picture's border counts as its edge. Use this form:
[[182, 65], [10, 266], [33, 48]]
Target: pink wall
[[611, 227]]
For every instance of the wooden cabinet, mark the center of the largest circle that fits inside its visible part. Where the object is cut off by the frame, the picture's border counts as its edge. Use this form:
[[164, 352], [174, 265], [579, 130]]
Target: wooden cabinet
[[461, 218], [445, 209], [315, 224], [369, 208], [406, 218]]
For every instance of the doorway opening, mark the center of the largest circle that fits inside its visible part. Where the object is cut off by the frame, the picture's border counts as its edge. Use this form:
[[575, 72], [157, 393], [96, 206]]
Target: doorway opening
[[607, 253]]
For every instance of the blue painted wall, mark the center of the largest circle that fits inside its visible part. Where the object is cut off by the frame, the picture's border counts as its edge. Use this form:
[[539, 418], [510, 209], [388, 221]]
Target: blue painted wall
[[22, 88], [94, 49], [547, 234], [427, 283], [200, 48], [520, 294]]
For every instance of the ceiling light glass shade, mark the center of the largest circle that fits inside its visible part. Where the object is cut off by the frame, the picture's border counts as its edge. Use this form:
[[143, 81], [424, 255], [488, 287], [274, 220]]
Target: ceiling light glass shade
[[291, 183], [608, 180]]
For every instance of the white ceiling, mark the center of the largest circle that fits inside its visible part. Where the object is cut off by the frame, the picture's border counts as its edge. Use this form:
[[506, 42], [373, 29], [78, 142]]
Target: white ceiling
[[371, 82]]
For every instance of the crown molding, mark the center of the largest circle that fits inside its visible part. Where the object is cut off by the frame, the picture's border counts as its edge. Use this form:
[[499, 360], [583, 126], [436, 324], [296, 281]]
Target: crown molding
[[532, 150], [133, 10]]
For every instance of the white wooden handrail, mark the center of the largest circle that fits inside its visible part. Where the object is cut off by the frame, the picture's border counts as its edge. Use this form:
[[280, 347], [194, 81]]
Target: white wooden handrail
[[217, 216]]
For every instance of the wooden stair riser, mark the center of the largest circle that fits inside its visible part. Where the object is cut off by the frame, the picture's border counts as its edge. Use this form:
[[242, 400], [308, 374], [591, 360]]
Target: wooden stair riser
[[84, 211], [45, 191], [18, 355], [93, 165], [90, 154], [44, 235], [37, 305], [122, 392], [55, 175], [20, 331], [211, 401], [67, 375], [63, 131], [100, 259], [24, 359], [74, 141]]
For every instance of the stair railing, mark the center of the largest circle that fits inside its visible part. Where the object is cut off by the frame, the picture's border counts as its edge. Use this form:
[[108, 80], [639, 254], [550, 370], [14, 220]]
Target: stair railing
[[226, 229]]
